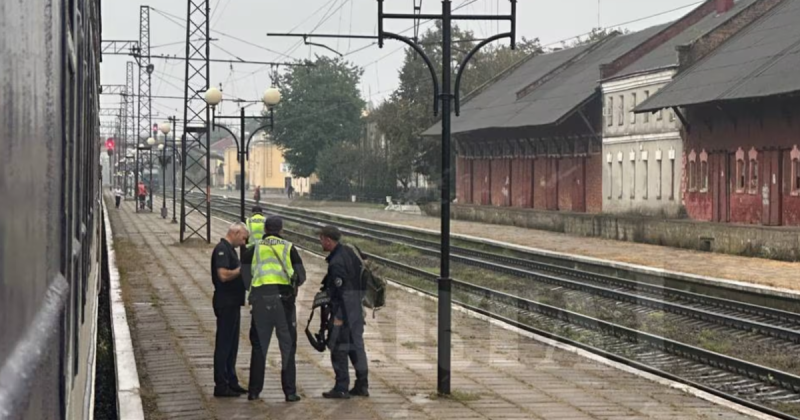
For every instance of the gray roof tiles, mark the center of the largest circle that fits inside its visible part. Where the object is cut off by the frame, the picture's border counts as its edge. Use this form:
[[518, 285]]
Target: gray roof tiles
[[498, 107], [666, 55], [761, 60]]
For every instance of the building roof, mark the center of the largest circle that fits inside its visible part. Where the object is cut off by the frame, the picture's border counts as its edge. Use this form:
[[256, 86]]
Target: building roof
[[666, 55], [551, 102], [761, 60]]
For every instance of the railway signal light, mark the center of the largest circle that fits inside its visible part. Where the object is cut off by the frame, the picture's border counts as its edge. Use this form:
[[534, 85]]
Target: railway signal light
[[110, 146]]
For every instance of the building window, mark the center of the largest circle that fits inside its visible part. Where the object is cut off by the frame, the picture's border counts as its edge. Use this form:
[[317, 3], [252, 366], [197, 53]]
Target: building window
[[646, 177], [659, 180], [671, 174], [621, 108], [671, 115], [740, 175], [660, 115], [646, 114], [703, 171], [609, 160], [621, 175], [795, 156], [610, 111], [753, 187], [633, 105], [632, 158]]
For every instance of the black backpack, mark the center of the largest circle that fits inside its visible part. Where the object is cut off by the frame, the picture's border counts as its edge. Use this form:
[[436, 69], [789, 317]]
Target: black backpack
[[372, 283]]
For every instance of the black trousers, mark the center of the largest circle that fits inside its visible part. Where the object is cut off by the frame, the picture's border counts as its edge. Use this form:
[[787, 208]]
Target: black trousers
[[226, 346], [117, 199], [348, 344], [272, 313]]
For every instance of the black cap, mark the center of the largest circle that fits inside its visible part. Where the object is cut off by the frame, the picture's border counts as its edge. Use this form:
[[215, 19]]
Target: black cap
[[257, 209], [274, 224]]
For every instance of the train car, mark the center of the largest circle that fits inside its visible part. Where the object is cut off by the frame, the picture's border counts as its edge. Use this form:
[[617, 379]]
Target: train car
[[50, 207]]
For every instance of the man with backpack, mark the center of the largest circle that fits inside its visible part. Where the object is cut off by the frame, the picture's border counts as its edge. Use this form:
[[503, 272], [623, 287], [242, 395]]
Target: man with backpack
[[346, 340]]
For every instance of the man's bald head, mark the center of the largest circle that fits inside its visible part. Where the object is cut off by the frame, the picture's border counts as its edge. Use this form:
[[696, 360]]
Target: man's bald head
[[237, 234]]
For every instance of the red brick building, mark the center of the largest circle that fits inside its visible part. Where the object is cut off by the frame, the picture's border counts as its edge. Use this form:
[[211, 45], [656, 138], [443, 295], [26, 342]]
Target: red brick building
[[741, 114], [533, 137]]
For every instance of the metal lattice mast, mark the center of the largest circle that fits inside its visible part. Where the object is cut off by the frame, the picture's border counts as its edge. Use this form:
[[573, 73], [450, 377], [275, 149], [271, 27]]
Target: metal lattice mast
[[130, 113], [196, 168], [144, 114], [144, 75], [119, 137]]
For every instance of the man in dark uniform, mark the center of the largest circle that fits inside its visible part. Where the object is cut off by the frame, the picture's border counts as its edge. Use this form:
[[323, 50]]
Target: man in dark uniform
[[228, 299], [277, 271], [343, 283]]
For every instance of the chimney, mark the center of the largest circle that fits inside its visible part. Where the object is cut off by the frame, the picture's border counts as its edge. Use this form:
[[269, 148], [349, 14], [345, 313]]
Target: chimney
[[724, 6], [728, 27]]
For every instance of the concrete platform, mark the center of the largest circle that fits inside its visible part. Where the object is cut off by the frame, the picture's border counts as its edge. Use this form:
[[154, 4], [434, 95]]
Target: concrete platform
[[498, 373]]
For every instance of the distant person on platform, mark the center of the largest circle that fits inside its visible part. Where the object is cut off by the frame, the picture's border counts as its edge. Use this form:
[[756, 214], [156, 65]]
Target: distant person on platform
[[117, 197], [277, 272], [257, 195], [228, 299], [290, 191], [141, 191]]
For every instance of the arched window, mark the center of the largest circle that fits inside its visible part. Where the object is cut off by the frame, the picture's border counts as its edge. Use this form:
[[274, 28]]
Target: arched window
[[703, 171], [753, 155], [741, 171]]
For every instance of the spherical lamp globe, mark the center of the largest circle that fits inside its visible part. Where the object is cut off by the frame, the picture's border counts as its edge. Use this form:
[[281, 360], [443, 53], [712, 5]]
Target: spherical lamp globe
[[213, 96], [272, 97]]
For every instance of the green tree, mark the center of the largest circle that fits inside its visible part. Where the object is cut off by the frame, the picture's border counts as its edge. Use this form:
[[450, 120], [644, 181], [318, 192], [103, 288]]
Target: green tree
[[338, 165], [321, 106]]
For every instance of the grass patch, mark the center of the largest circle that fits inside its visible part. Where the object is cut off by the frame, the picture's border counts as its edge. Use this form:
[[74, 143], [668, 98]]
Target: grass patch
[[409, 345], [456, 395]]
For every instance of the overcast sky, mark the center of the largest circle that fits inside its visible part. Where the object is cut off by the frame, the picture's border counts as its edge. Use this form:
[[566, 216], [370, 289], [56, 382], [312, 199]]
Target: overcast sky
[[550, 20]]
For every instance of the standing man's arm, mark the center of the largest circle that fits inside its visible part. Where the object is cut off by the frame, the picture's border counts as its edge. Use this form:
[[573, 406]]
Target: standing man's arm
[[297, 266], [335, 283], [222, 260]]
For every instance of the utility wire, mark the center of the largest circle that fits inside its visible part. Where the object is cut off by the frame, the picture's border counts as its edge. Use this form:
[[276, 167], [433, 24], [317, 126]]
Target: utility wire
[[172, 18]]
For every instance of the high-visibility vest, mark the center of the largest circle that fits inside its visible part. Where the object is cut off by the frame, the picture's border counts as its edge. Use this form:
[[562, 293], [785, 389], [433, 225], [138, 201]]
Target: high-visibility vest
[[267, 267], [255, 224]]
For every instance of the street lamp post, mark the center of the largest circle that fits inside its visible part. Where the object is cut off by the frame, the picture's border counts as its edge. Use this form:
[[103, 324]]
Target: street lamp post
[[150, 142], [271, 97], [174, 165], [163, 161], [448, 97], [165, 128]]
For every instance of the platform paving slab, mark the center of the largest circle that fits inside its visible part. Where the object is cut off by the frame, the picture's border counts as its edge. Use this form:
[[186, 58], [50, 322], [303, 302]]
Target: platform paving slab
[[497, 373]]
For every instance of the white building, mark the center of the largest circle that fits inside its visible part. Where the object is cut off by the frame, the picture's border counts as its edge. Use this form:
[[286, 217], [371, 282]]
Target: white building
[[643, 153]]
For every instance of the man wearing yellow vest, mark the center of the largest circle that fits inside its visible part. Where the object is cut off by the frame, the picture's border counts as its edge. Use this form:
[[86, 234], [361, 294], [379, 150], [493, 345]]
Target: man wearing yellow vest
[[255, 225], [277, 271]]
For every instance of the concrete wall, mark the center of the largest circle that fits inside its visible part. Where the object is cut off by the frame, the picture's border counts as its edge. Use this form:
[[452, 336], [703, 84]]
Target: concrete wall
[[768, 242]]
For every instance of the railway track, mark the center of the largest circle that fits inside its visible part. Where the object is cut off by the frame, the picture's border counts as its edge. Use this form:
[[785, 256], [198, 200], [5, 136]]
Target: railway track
[[763, 388]]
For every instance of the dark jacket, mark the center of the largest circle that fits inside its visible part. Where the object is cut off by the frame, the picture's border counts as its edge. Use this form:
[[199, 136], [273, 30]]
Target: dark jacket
[[343, 283]]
